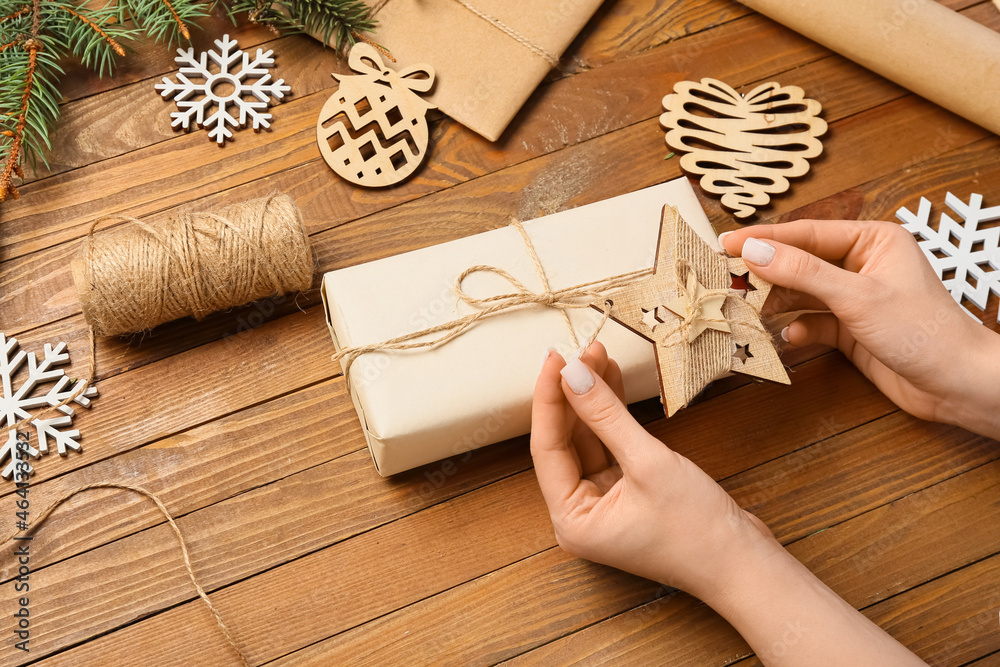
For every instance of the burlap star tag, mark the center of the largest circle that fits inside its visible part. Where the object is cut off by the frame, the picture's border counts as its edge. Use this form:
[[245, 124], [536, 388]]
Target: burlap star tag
[[701, 310]]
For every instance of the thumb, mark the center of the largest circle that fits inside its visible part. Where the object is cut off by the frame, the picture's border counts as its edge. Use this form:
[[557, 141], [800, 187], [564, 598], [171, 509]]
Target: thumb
[[597, 406], [797, 269]]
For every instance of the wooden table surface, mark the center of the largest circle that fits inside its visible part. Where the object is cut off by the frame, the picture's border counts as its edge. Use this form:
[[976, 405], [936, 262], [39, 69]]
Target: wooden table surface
[[242, 425]]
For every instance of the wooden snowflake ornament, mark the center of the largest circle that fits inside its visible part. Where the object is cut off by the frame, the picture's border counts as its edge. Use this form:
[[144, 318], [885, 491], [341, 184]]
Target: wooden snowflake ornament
[[209, 98], [373, 130], [701, 310], [17, 401], [745, 148], [965, 255]]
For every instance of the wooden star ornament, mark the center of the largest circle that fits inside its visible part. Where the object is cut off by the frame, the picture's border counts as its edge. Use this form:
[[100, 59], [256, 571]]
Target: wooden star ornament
[[701, 310]]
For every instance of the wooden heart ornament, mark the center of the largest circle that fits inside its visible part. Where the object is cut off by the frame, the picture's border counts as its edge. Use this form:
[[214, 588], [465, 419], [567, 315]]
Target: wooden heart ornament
[[701, 311], [745, 148], [373, 130]]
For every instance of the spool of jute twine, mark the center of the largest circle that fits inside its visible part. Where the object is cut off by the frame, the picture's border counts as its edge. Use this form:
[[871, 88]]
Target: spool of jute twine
[[138, 275]]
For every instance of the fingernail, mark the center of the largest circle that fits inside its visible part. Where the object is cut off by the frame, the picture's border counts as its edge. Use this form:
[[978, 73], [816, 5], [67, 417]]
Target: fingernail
[[548, 353], [784, 334], [757, 252], [722, 238], [579, 352], [578, 377]]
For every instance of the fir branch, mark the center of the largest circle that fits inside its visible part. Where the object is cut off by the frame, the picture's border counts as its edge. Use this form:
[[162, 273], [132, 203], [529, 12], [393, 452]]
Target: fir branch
[[96, 28], [21, 12], [12, 165], [167, 20], [343, 21], [181, 28]]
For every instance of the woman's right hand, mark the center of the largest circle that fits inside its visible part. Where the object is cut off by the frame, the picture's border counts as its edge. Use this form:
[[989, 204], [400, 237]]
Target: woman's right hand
[[890, 314]]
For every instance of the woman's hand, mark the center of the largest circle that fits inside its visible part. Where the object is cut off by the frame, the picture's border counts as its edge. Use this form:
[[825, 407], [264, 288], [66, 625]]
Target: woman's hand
[[634, 504], [891, 315], [619, 496]]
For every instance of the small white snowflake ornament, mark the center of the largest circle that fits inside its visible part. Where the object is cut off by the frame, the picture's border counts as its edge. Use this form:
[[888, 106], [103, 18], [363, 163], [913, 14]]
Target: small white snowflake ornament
[[17, 401], [240, 85], [965, 255]]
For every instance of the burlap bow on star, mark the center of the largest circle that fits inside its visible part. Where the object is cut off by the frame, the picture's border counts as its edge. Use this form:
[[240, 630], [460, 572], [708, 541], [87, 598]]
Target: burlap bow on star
[[702, 312]]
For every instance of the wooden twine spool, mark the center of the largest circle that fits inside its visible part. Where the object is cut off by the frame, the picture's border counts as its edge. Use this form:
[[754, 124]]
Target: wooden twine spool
[[139, 275]]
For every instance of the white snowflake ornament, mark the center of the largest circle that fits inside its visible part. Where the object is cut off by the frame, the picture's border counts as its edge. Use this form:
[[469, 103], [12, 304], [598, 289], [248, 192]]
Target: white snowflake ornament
[[240, 84], [966, 255], [15, 403]]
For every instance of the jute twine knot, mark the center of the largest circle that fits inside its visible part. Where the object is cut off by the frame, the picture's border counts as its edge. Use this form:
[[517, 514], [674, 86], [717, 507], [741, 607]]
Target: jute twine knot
[[576, 296], [140, 275]]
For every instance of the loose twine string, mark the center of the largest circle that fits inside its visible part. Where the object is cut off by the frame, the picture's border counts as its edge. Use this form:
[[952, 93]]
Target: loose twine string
[[142, 275], [499, 25], [177, 533], [562, 299]]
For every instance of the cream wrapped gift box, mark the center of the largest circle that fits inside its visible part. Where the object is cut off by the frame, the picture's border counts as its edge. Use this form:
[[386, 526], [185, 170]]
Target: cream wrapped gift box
[[419, 406]]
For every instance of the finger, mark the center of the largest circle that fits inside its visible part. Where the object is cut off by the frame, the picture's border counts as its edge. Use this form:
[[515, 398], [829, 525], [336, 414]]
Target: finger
[[831, 240], [555, 465], [596, 356], [597, 405], [589, 448], [823, 329], [613, 376], [605, 479], [802, 271], [783, 300]]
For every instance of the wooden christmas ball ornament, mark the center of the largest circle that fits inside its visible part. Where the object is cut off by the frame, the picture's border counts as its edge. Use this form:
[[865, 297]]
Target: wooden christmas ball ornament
[[373, 130]]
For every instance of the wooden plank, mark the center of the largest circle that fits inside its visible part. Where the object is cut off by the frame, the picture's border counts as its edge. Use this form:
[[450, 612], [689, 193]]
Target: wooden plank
[[439, 629], [195, 469], [344, 576], [256, 524], [183, 391], [139, 117], [856, 561], [137, 184]]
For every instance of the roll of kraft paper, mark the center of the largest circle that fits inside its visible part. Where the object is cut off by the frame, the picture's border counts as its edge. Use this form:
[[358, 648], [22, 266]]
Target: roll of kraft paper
[[921, 45]]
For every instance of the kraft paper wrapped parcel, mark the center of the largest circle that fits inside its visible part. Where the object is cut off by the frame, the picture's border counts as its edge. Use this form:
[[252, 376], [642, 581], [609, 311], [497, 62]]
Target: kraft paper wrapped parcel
[[419, 406]]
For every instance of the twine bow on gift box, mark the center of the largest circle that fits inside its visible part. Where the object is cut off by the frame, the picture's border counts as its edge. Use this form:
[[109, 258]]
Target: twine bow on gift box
[[686, 305], [576, 296]]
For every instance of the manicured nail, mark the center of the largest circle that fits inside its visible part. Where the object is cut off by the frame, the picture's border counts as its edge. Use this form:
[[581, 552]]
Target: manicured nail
[[548, 353], [784, 334], [579, 352], [722, 239], [578, 377], [757, 252]]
